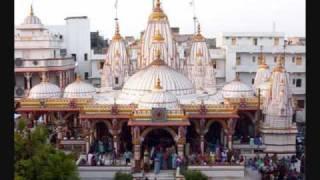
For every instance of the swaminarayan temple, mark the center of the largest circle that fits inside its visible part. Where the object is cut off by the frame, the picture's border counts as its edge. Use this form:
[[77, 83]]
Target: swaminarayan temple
[[166, 101]]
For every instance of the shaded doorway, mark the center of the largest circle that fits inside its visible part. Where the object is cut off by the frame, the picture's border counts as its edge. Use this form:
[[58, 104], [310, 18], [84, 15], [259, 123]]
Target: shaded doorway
[[244, 130], [192, 139], [214, 137], [158, 146]]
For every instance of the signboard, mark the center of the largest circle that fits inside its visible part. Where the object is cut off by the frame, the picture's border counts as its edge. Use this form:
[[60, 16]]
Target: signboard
[[159, 114]]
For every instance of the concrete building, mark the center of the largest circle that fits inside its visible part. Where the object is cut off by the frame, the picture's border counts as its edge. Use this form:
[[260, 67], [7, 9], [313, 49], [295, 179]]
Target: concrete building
[[40, 56]]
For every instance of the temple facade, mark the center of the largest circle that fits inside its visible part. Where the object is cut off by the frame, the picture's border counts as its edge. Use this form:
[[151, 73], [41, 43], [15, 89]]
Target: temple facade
[[161, 104]]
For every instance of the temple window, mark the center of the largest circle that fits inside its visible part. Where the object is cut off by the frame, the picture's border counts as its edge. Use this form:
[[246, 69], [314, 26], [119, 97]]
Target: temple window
[[101, 65], [86, 75], [298, 82], [253, 59], [255, 41], [298, 60], [238, 60], [85, 56], [116, 80]]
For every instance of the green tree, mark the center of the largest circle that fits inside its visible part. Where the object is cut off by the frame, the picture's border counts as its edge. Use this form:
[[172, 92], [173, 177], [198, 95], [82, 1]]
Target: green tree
[[36, 159]]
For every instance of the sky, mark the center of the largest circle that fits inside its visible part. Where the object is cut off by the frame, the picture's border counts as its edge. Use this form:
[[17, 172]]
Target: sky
[[214, 15]]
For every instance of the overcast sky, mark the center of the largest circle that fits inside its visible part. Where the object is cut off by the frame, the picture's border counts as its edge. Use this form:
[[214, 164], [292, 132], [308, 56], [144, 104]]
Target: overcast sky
[[214, 15]]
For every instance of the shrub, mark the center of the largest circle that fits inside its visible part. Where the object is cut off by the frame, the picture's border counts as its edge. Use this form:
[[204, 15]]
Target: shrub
[[122, 176], [194, 175]]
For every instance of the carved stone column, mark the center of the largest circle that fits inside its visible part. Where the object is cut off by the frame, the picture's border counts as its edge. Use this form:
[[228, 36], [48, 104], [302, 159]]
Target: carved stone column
[[136, 141], [201, 131], [181, 140], [60, 80]]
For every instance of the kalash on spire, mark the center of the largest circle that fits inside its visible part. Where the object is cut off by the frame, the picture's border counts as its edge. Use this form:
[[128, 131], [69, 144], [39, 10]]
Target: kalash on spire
[[157, 13], [117, 35], [158, 33]]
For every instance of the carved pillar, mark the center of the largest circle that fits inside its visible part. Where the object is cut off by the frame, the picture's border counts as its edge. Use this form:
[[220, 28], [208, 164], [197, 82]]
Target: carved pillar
[[181, 140], [229, 141], [60, 80], [136, 141], [115, 134], [202, 128], [28, 76]]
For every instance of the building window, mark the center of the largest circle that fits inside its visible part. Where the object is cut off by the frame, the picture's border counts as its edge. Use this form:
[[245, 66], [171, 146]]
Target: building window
[[298, 82], [252, 81], [293, 59], [101, 65], [293, 81], [238, 60], [234, 40], [255, 41], [54, 53], [85, 56], [86, 75], [253, 59], [74, 57], [25, 83], [116, 80], [300, 103], [298, 60], [283, 62], [276, 41], [275, 59], [214, 64]]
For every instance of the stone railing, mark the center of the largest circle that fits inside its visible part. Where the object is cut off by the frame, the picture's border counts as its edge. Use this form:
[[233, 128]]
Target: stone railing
[[61, 102], [45, 63]]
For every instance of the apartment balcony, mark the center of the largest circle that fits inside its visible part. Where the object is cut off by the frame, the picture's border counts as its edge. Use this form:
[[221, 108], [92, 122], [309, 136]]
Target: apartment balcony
[[29, 65]]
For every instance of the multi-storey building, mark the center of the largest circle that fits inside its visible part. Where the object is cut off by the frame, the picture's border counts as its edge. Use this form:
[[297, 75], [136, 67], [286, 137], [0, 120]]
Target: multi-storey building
[[40, 55]]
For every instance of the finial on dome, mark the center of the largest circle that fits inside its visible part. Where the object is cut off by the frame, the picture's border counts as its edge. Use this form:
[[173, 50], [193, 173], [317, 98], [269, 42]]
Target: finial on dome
[[158, 84], [157, 36], [31, 10], [158, 4], [78, 79], [158, 61], [117, 35], [199, 29], [44, 77]]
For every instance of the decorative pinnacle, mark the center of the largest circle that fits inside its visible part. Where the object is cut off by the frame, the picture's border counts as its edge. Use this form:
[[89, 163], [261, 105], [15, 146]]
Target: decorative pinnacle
[[199, 29], [31, 10], [78, 79], [158, 36], [158, 84], [158, 4]]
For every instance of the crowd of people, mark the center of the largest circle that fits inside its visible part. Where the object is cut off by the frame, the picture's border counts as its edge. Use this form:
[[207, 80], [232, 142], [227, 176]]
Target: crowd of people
[[221, 156], [272, 167]]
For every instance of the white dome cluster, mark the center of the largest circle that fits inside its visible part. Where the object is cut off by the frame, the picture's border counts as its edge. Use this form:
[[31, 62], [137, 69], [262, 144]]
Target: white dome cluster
[[45, 90], [79, 89], [237, 89]]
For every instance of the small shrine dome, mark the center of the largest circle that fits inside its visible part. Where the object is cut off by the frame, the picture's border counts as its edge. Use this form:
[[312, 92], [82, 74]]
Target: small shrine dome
[[79, 89], [158, 98], [237, 89], [45, 90]]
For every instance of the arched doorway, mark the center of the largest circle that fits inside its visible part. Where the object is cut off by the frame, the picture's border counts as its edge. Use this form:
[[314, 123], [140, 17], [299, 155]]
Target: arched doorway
[[192, 139], [160, 144], [102, 135], [125, 138], [244, 130], [214, 137]]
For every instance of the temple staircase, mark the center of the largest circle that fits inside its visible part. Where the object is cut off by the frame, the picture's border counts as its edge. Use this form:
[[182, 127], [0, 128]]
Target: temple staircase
[[163, 175]]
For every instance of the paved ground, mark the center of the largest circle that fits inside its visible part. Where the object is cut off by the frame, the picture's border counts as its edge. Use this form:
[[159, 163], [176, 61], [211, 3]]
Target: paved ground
[[249, 175]]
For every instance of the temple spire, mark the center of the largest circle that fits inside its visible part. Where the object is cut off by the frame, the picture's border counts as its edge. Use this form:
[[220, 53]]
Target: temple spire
[[31, 10], [117, 35]]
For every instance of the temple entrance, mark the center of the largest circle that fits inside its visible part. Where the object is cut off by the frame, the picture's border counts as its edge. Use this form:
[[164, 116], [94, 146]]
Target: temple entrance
[[158, 151], [193, 140], [125, 139], [103, 139], [214, 137], [244, 130]]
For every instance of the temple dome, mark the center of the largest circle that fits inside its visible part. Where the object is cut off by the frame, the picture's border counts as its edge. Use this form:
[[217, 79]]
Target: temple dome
[[158, 98], [31, 22], [237, 89], [144, 80], [79, 89], [45, 90]]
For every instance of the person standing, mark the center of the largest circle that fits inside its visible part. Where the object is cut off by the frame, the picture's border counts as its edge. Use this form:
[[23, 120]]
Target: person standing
[[174, 160], [157, 164]]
